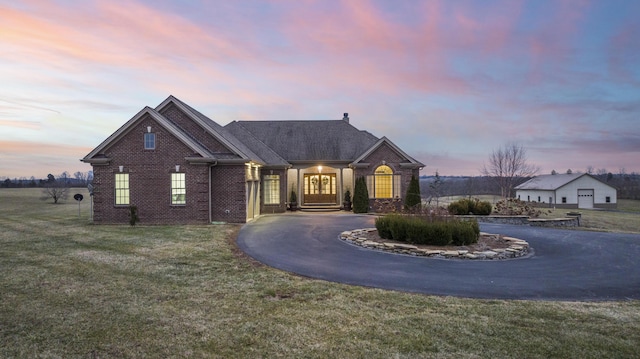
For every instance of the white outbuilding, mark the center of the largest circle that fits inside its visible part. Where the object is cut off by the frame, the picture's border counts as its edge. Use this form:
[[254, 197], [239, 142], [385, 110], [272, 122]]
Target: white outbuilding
[[571, 190]]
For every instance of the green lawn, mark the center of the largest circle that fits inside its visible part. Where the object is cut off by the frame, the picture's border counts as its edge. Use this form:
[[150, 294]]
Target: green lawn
[[70, 289]]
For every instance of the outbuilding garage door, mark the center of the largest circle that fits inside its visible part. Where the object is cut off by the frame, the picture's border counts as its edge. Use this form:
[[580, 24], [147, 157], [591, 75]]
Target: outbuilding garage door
[[585, 198]]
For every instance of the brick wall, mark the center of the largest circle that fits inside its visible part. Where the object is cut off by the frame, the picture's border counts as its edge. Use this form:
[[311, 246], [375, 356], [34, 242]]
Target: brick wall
[[173, 113], [150, 179], [228, 193]]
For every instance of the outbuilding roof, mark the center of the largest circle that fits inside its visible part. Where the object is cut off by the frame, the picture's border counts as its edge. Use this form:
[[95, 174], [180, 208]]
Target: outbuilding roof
[[552, 182]]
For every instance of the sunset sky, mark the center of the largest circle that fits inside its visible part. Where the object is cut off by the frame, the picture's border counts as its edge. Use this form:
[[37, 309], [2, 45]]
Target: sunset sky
[[448, 81]]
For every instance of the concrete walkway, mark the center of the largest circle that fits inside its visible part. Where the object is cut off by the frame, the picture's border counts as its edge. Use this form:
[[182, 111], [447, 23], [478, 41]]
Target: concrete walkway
[[566, 264]]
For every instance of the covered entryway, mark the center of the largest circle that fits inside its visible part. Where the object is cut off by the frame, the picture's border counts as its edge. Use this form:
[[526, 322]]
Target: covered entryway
[[585, 198], [319, 189]]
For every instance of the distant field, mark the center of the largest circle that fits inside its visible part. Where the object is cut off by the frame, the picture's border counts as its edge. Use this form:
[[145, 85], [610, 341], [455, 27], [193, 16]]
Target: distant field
[[71, 289], [626, 218]]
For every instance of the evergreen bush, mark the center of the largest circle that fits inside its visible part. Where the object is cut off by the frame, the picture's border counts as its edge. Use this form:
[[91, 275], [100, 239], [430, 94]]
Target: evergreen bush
[[419, 230], [133, 215], [413, 200], [383, 226], [360, 196]]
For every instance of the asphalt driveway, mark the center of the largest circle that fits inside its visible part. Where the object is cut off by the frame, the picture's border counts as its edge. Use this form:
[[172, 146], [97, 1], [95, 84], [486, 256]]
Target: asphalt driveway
[[566, 264]]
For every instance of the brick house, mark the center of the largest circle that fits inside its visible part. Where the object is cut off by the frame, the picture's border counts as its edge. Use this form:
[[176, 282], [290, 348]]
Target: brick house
[[178, 166]]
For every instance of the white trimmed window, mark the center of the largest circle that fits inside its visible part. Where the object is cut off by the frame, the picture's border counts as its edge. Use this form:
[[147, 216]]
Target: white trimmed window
[[271, 185], [384, 184], [149, 141], [122, 189], [178, 189]]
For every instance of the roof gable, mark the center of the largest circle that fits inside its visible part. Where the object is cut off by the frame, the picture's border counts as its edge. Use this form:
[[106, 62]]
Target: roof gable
[[411, 162], [96, 156]]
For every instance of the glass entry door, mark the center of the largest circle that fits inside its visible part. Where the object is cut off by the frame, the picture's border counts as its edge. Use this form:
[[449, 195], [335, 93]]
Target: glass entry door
[[320, 188]]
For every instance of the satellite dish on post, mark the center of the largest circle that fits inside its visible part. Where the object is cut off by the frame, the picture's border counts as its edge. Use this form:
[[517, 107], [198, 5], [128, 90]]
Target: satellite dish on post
[[78, 197]]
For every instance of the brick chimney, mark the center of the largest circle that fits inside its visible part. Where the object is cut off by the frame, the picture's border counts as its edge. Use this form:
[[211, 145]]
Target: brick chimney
[[345, 117]]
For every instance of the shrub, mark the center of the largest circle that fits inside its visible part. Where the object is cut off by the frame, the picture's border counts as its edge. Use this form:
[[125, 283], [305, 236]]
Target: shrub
[[383, 227], [460, 207], [412, 200], [133, 215], [483, 208], [466, 233], [398, 226], [418, 230], [293, 198], [360, 196], [470, 206]]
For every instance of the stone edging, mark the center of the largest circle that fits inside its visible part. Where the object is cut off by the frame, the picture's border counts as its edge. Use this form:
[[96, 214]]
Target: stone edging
[[517, 247]]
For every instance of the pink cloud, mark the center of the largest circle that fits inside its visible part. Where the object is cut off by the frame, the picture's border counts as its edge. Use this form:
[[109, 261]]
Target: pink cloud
[[129, 35], [20, 124]]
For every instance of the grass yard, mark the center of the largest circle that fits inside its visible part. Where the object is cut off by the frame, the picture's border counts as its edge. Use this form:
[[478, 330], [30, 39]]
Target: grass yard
[[70, 289]]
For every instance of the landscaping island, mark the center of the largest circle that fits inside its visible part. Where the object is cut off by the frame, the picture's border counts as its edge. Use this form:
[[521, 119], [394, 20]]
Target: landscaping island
[[488, 247]]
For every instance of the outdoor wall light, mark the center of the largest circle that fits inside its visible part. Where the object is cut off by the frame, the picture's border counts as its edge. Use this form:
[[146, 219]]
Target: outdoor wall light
[[319, 169]]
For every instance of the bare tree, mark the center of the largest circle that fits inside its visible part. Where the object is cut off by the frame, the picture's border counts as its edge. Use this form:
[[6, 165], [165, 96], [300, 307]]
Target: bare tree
[[56, 189], [64, 176], [80, 177], [506, 165], [436, 187]]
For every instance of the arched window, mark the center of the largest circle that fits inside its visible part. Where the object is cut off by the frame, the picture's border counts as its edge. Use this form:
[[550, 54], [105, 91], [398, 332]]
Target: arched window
[[383, 182]]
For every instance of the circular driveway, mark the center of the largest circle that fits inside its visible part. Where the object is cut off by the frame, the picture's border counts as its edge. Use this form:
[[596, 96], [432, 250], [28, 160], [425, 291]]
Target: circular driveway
[[565, 265]]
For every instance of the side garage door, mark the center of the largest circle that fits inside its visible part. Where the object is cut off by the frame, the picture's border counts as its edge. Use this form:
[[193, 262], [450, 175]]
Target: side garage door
[[585, 198]]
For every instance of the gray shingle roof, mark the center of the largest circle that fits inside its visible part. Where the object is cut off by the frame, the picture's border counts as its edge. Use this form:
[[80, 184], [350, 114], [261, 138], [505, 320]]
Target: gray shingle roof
[[334, 140], [219, 132], [274, 143], [269, 156]]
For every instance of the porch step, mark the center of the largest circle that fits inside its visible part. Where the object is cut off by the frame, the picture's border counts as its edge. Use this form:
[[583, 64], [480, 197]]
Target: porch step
[[318, 209]]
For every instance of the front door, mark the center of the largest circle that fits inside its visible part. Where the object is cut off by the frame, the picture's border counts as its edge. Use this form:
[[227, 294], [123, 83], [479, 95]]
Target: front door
[[320, 188]]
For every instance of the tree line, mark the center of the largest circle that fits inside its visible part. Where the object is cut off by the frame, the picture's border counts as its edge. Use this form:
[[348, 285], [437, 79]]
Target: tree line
[[79, 179], [627, 184], [508, 167]]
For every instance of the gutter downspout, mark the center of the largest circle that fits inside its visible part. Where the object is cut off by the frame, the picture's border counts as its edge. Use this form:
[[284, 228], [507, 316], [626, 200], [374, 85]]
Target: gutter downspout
[[210, 201]]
